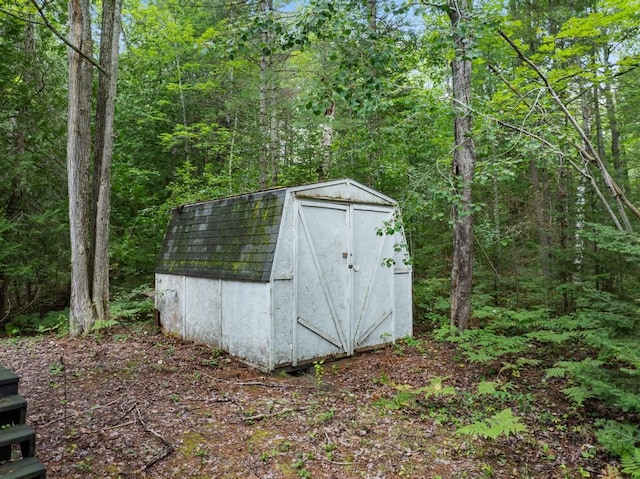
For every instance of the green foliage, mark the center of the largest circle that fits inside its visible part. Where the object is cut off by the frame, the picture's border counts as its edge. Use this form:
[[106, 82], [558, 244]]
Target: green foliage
[[319, 372], [622, 440], [610, 327], [482, 345], [103, 324], [33, 324], [503, 423], [619, 439], [631, 463], [613, 240], [435, 388], [431, 297], [408, 395], [134, 305]]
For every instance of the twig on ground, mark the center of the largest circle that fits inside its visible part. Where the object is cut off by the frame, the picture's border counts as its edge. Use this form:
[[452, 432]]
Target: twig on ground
[[122, 424], [259, 417], [124, 414], [64, 417], [168, 447], [259, 383]]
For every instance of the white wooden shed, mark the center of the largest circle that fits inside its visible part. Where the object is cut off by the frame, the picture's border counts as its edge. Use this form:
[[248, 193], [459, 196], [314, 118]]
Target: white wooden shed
[[286, 277]]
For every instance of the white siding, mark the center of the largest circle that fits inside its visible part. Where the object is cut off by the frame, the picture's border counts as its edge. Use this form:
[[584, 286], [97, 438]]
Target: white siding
[[170, 302], [203, 314], [246, 321]]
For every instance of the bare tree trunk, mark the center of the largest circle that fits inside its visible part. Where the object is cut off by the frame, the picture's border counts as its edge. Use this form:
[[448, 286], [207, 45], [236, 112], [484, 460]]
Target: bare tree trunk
[[109, 53], [265, 118], [78, 160], [537, 195], [463, 169], [619, 165], [89, 210], [327, 140]]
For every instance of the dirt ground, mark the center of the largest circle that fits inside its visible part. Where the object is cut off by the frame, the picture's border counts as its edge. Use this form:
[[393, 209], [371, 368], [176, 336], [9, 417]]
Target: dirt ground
[[137, 403]]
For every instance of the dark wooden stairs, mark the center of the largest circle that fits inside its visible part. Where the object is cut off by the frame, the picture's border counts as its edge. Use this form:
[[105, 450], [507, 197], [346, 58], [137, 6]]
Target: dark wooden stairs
[[14, 432]]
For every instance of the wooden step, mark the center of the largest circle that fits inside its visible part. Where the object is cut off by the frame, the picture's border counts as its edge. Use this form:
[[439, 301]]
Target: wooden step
[[27, 468], [13, 410], [20, 434], [8, 382]]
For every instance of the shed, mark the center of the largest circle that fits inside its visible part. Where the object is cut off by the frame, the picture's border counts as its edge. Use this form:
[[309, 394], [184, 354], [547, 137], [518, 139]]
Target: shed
[[285, 277]]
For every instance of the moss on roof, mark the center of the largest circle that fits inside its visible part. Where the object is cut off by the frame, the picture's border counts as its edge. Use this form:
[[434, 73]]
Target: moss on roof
[[231, 238]]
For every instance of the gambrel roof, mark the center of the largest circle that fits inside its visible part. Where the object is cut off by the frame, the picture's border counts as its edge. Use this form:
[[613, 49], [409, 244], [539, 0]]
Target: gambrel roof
[[235, 238], [230, 238]]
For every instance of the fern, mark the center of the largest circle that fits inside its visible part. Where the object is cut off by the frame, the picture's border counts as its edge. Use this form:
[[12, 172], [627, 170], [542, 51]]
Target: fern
[[503, 423], [597, 379], [487, 387], [549, 336], [578, 394], [436, 388], [102, 324], [408, 395], [483, 345], [631, 464], [556, 372], [619, 439]]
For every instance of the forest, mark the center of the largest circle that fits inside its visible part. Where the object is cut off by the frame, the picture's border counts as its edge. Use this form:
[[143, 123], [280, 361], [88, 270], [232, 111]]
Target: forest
[[505, 130]]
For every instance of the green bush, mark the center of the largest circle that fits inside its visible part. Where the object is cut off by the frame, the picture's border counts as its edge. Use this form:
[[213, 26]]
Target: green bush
[[32, 324]]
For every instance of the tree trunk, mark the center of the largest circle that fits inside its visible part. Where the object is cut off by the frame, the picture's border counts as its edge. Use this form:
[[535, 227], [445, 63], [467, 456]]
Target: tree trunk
[[89, 209], [327, 140], [542, 227], [463, 168], [265, 113], [619, 165], [78, 160], [105, 110]]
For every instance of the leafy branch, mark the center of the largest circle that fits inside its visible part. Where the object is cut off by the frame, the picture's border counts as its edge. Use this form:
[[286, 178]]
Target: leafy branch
[[588, 152]]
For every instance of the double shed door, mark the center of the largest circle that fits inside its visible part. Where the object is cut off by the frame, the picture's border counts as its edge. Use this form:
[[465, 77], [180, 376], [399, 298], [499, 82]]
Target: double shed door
[[344, 294]]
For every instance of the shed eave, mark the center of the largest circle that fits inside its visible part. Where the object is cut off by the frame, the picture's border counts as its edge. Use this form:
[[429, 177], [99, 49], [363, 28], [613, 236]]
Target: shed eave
[[347, 194]]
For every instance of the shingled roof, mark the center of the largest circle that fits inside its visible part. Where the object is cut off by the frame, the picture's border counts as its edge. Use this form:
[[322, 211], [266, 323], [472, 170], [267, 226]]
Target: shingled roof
[[231, 238]]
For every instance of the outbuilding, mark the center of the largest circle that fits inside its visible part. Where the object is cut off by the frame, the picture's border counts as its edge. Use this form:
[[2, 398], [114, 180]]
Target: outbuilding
[[285, 277]]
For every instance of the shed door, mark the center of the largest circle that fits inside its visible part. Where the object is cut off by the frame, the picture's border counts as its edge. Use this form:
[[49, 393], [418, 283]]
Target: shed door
[[344, 295]]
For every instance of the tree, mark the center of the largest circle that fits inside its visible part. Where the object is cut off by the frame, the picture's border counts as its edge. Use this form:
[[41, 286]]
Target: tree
[[89, 208], [464, 157], [32, 179]]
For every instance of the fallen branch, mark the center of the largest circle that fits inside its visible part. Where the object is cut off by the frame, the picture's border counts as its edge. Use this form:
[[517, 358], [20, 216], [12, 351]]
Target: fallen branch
[[336, 462], [124, 414], [258, 383], [168, 447], [117, 426], [64, 417], [259, 417]]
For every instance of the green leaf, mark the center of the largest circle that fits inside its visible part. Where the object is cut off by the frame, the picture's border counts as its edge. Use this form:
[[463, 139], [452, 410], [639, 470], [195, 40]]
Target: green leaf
[[503, 423], [631, 463]]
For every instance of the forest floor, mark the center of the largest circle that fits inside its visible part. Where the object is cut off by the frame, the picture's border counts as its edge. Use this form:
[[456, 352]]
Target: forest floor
[[137, 403]]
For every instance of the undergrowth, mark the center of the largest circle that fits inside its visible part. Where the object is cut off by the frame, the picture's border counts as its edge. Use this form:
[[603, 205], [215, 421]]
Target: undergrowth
[[471, 413], [594, 350], [126, 306]]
